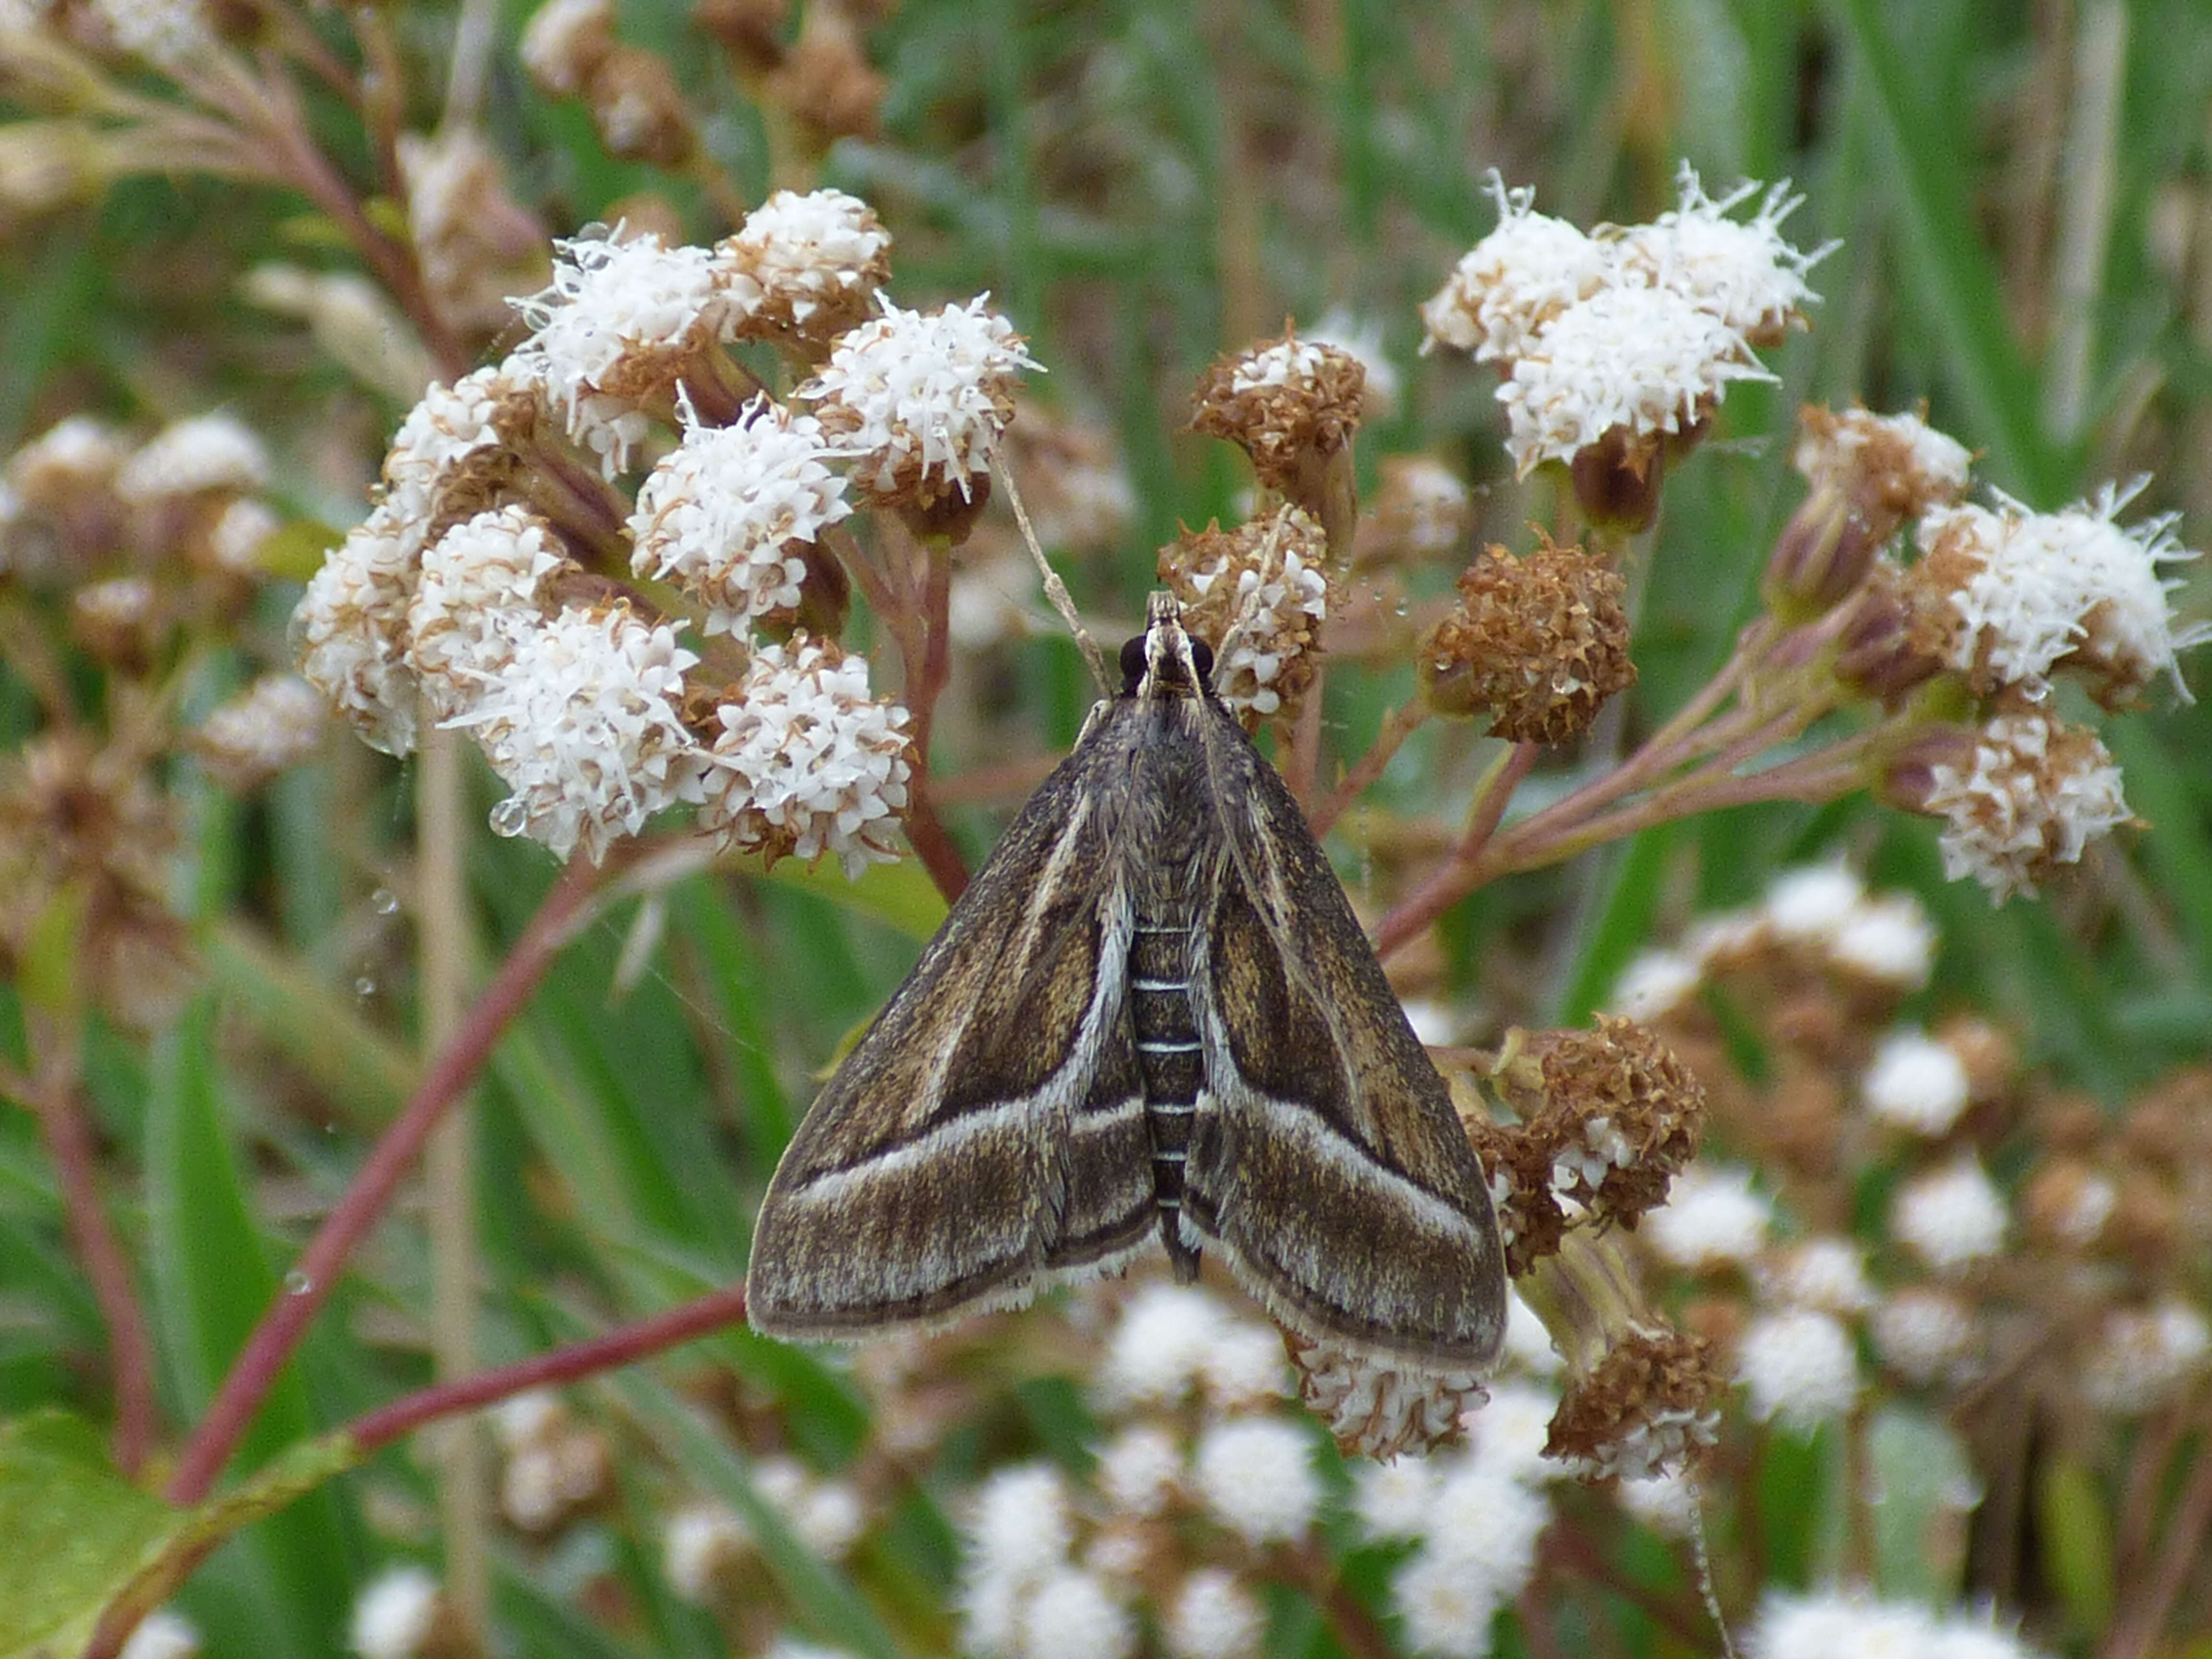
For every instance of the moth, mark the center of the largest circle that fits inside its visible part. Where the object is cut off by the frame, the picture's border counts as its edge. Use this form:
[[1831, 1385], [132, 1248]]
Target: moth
[[1152, 1012]]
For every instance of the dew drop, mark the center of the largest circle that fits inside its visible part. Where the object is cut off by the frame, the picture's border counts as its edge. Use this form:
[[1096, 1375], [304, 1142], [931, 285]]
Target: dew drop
[[385, 902], [364, 986], [297, 1283]]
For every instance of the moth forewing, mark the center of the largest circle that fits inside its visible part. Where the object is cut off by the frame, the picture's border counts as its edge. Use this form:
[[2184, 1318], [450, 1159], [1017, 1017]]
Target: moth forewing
[[989, 1127], [1333, 1173]]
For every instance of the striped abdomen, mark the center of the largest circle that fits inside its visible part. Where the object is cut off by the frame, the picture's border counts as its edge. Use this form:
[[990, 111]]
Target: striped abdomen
[[1174, 1066]]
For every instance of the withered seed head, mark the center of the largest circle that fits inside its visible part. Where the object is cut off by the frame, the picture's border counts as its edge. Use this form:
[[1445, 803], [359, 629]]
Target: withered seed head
[[1541, 642], [1648, 1408]]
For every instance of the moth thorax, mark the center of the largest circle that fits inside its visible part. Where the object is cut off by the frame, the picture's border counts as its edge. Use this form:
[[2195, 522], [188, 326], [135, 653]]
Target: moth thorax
[[1173, 1064]]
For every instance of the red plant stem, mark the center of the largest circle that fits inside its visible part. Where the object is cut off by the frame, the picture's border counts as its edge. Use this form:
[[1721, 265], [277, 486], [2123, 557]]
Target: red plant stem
[[1459, 874], [130, 1343], [256, 1370], [709, 1313], [1397, 725], [933, 844], [1303, 772]]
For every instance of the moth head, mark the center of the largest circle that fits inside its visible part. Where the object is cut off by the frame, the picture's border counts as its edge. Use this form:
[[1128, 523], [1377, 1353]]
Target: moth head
[[1166, 660]]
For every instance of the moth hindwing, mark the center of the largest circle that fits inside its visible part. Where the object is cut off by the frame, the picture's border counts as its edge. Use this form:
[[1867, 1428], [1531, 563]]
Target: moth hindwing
[[1152, 1011]]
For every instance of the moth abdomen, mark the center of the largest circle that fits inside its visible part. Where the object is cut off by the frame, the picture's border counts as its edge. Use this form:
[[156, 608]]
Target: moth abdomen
[[1172, 1061]]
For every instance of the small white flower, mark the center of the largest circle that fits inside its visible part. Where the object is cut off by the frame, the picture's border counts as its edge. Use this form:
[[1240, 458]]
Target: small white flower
[[1215, 1617], [1739, 270], [1711, 1219], [1515, 281], [1362, 341], [2142, 1356], [450, 427], [351, 629], [526, 1419], [1446, 1609], [1850, 1623], [172, 35], [203, 452], [699, 1539], [394, 1615], [1255, 1474], [1139, 1469], [617, 324], [1827, 1273], [1274, 619], [1812, 902], [1656, 983], [1923, 465], [163, 1633], [1243, 1365], [1953, 1218], [1158, 1348], [919, 399], [1394, 1499], [829, 1518], [807, 764], [79, 453], [722, 512], [2037, 794], [477, 592], [1020, 1528], [1889, 939], [1927, 1335], [1506, 1436], [1072, 1615], [1799, 1368], [1645, 359], [1916, 1083], [236, 541], [797, 256], [581, 724], [276, 723], [1665, 1503], [2041, 591]]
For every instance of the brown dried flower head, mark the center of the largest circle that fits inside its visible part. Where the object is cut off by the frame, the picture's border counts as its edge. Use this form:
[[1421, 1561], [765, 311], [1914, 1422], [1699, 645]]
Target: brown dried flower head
[[1891, 468], [1420, 511], [1541, 642], [566, 42], [826, 81], [84, 843], [1293, 405], [1268, 581], [1648, 1408], [1381, 1411], [750, 31], [639, 109]]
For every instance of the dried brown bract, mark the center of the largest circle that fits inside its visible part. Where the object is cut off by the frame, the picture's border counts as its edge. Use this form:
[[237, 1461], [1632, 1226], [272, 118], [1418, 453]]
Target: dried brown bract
[[1541, 642]]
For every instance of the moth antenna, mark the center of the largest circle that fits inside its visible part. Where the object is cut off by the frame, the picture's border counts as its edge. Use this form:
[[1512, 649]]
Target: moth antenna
[[1054, 589], [1703, 1551], [1250, 608]]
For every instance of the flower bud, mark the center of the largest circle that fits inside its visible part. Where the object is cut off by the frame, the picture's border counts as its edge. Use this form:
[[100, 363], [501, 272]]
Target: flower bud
[[1881, 653], [1824, 554], [1616, 480]]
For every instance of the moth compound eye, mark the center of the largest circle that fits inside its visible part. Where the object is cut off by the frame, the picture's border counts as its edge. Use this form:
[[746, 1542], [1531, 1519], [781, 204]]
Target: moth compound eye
[[1133, 663], [1201, 657]]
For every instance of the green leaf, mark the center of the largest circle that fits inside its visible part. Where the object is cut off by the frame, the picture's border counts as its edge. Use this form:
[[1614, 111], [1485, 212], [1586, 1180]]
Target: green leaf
[[899, 895], [1925, 1488], [2077, 1540], [77, 1534]]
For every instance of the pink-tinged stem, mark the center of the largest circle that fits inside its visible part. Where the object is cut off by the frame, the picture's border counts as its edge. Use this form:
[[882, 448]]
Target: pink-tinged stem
[[1397, 725], [1460, 873], [256, 1370], [710, 1313], [129, 1344]]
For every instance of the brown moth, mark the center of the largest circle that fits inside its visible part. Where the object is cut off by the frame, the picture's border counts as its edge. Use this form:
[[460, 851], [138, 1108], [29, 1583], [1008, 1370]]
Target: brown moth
[[1154, 1009]]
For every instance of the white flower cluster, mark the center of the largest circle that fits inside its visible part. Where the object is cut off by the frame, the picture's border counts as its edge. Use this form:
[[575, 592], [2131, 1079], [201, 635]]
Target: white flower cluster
[[1823, 910], [551, 1463], [1055, 1572], [1475, 1513], [1916, 1083], [395, 1614], [2035, 793], [2142, 1357], [2036, 592], [502, 616], [201, 452], [1638, 329], [274, 723], [919, 400], [704, 1540], [1272, 618], [583, 725], [806, 762], [1712, 1219], [724, 511], [1840, 1623]]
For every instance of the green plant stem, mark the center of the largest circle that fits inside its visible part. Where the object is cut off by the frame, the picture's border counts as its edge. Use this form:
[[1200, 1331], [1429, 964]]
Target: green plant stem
[[566, 909]]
